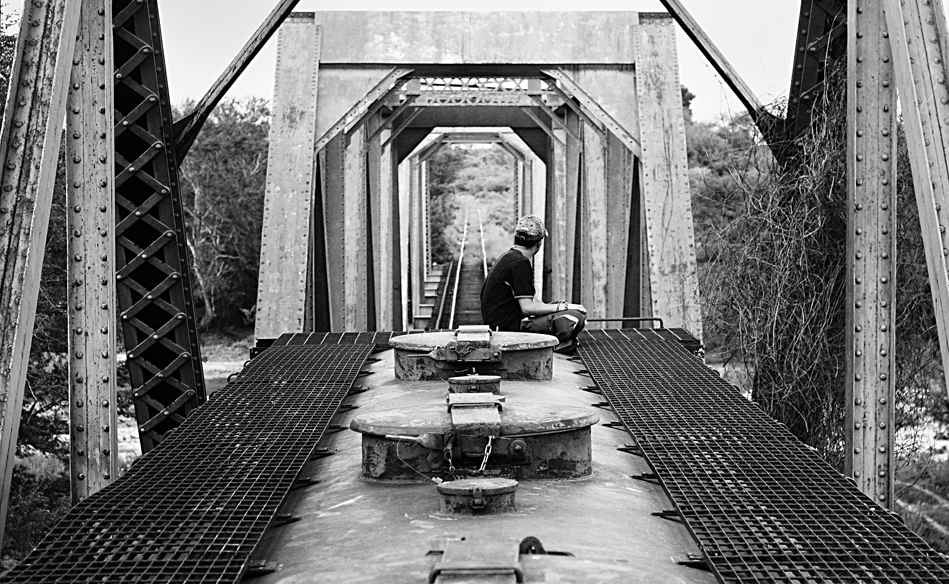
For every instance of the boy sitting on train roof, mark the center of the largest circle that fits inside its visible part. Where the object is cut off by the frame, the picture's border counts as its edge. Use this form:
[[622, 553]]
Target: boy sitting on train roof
[[507, 296]]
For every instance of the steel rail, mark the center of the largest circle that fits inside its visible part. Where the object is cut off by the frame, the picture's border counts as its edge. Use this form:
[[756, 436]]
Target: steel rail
[[484, 256], [441, 304], [461, 255]]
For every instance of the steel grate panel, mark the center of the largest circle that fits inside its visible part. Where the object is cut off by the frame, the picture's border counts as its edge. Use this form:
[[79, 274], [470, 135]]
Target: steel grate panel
[[194, 508], [762, 506]]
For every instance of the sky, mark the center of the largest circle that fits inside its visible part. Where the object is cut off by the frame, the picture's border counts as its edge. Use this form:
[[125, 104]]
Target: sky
[[756, 36]]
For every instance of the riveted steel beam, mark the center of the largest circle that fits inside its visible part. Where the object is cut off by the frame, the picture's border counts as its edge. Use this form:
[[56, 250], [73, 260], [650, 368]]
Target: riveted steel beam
[[152, 266], [90, 228], [29, 148], [918, 41], [820, 44], [871, 252]]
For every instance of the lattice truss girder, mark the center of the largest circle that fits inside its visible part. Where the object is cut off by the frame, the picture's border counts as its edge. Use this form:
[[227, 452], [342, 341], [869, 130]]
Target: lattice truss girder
[[153, 279]]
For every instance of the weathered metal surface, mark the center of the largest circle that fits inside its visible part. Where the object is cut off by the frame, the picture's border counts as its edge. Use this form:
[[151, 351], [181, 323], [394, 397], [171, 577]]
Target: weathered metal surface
[[667, 198], [918, 43], [593, 254], [454, 38], [820, 43], [90, 242], [871, 253], [291, 166], [153, 273], [29, 144], [533, 441], [606, 85], [332, 174], [355, 232], [479, 496], [346, 95], [475, 384]]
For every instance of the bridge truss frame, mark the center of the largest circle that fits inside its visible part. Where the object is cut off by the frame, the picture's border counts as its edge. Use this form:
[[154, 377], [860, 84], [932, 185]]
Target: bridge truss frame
[[155, 299]]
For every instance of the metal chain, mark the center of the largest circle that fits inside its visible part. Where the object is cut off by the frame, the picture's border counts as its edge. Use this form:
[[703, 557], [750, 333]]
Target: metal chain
[[487, 453], [447, 452]]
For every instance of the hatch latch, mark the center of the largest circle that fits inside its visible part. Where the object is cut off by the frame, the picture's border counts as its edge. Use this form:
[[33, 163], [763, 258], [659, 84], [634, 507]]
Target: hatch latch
[[476, 414], [477, 560], [472, 344]]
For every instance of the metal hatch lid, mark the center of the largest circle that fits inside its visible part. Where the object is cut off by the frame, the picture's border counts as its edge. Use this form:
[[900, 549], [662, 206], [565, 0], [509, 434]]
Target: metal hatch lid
[[516, 420], [506, 341]]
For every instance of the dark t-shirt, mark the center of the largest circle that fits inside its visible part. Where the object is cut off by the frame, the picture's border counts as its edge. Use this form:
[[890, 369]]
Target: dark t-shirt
[[512, 277]]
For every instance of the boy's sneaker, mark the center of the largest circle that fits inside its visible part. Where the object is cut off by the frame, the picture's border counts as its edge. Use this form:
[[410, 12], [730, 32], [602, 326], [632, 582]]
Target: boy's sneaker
[[567, 347]]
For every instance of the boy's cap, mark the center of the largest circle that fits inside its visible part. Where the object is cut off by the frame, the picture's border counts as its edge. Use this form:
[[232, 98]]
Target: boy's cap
[[530, 228]]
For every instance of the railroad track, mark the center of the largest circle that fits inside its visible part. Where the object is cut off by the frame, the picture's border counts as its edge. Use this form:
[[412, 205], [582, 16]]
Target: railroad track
[[460, 295]]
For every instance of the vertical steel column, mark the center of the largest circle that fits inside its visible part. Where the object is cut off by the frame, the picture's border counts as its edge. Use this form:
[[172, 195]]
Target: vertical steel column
[[595, 223], [538, 208], [403, 176], [571, 194], [355, 235], [619, 171], [871, 251], [417, 274], [29, 147], [332, 174], [153, 275], [918, 41], [285, 236], [384, 245], [90, 228], [666, 194]]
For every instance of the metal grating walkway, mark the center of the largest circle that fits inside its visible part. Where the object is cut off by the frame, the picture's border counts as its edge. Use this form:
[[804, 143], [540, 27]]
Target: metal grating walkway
[[194, 508], [762, 505]]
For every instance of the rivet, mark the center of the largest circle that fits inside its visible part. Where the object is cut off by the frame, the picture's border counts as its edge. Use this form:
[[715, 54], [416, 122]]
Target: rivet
[[882, 401], [886, 108], [884, 280], [859, 207], [859, 132], [859, 255], [885, 181], [80, 428], [77, 233], [885, 157], [859, 231], [859, 304], [857, 377], [882, 449], [105, 428], [80, 476], [858, 280], [883, 327], [856, 426], [106, 475], [883, 377], [859, 182], [78, 258], [102, 208], [885, 206], [105, 282], [886, 84], [858, 353], [78, 403], [104, 330], [858, 328], [856, 451], [883, 352], [859, 157], [882, 473], [886, 132], [105, 403], [856, 473], [883, 303], [104, 354]]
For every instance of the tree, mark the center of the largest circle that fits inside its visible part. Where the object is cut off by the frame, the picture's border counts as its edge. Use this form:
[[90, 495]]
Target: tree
[[223, 183]]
